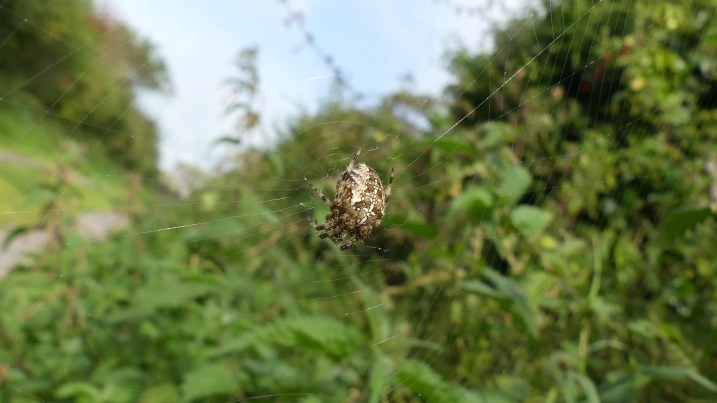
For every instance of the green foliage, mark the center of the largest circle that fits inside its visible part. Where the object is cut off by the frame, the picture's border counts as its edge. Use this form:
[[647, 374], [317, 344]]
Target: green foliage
[[529, 220], [243, 93], [46, 167], [208, 380], [423, 381], [325, 335], [682, 220], [504, 289], [541, 249], [82, 67]]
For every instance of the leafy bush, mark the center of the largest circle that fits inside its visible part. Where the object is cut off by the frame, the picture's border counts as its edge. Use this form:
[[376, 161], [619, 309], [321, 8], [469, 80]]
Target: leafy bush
[[524, 257], [82, 67]]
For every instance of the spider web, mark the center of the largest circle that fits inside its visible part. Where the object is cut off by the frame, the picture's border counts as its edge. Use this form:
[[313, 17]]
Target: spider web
[[490, 278]]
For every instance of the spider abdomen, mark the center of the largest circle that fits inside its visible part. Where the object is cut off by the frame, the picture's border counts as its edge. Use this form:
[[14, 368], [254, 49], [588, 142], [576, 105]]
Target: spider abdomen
[[358, 206], [360, 193]]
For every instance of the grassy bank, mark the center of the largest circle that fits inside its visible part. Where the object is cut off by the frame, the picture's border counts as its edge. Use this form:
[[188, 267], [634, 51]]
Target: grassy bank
[[32, 149]]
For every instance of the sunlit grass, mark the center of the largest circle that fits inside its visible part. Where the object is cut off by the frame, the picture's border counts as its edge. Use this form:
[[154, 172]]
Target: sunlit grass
[[99, 182]]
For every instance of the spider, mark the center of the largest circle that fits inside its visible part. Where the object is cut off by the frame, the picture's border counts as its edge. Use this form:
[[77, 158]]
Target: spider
[[358, 207]]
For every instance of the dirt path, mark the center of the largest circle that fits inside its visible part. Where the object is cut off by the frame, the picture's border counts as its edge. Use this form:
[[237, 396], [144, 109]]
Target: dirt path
[[9, 157], [92, 226]]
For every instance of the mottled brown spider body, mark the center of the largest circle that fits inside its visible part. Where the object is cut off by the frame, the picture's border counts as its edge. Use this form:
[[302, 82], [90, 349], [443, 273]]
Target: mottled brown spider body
[[358, 207]]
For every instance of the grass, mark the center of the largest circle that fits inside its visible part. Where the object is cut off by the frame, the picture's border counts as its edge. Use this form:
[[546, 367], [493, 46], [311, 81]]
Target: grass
[[25, 132]]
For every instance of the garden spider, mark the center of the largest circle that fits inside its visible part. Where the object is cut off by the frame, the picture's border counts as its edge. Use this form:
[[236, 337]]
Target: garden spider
[[358, 207]]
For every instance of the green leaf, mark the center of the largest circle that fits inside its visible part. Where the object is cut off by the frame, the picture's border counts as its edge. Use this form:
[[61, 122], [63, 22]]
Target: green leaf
[[514, 181], [495, 134], [569, 390], [276, 163], [430, 387], [38, 196], [227, 140], [421, 379], [529, 220], [166, 293], [480, 288], [407, 224], [380, 377], [588, 386], [319, 334], [624, 388], [378, 318], [76, 389], [209, 380], [163, 393], [483, 396], [679, 373], [508, 291], [680, 221], [517, 297], [475, 203], [513, 386], [236, 106], [627, 386], [643, 327]]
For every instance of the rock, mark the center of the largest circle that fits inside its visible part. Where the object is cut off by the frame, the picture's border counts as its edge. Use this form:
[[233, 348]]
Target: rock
[[19, 248]]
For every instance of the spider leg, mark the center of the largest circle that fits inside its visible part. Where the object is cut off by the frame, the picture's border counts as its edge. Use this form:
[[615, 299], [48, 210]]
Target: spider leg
[[353, 161], [348, 244], [323, 197], [320, 229], [315, 224], [387, 192]]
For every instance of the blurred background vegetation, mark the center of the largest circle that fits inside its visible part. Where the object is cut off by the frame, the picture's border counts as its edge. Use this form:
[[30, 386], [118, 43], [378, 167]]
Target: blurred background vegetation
[[550, 238]]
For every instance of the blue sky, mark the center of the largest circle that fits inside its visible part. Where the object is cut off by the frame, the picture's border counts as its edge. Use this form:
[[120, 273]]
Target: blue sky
[[374, 43]]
